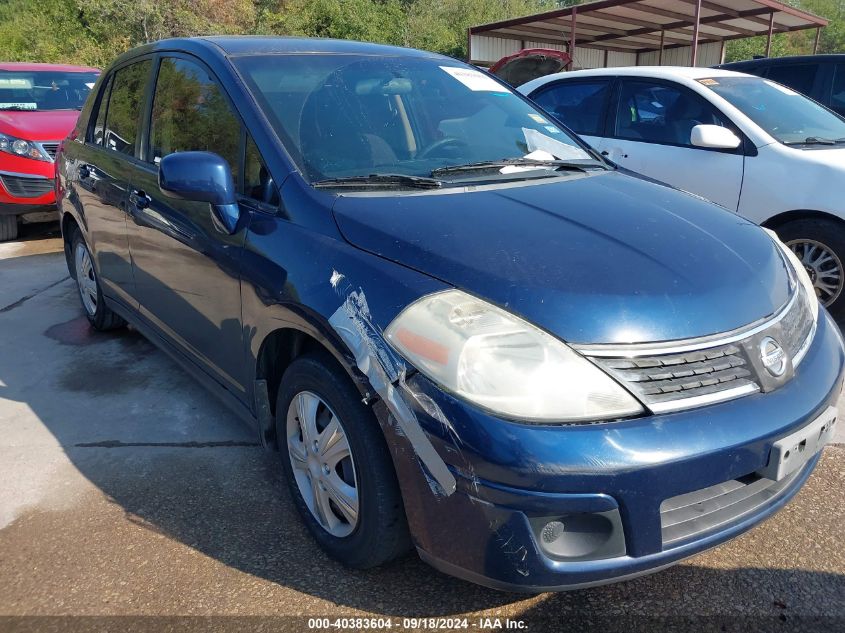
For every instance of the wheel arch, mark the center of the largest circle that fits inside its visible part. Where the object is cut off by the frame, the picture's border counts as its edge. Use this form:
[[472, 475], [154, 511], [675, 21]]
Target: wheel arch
[[283, 345], [777, 221], [68, 225]]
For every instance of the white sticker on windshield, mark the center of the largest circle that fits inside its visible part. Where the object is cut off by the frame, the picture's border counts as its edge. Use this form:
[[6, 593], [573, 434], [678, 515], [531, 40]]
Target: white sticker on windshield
[[18, 106], [536, 140], [473, 79], [90, 84], [15, 83], [783, 89]]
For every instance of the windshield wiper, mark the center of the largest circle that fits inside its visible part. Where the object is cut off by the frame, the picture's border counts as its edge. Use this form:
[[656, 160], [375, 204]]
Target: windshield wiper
[[18, 108], [519, 162], [815, 140], [380, 180]]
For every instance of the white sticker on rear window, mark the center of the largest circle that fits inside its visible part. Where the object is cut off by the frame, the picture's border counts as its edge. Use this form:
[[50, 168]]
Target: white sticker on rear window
[[783, 89], [18, 106], [473, 79]]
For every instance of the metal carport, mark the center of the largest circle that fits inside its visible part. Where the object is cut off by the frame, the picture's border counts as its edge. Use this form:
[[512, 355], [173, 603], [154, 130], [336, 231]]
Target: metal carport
[[640, 32]]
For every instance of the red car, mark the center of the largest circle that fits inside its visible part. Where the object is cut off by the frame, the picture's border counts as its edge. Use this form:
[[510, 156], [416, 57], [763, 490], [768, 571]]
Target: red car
[[39, 105]]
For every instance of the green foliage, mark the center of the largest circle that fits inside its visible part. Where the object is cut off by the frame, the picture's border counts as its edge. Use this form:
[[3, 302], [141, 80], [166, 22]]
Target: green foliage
[[800, 42], [95, 31]]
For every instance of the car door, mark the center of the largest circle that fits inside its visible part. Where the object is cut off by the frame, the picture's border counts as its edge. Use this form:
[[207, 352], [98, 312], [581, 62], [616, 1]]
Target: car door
[[650, 134], [186, 269], [581, 105], [103, 164]]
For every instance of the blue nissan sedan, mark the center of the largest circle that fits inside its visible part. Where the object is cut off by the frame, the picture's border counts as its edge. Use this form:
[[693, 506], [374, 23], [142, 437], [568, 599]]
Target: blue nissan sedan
[[462, 330]]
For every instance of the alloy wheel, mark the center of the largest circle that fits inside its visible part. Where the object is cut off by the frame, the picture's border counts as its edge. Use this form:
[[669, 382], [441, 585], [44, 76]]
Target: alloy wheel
[[823, 266], [322, 464], [86, 279]]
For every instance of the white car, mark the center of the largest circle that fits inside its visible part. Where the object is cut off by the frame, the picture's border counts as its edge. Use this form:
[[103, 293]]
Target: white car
[[749, 144]]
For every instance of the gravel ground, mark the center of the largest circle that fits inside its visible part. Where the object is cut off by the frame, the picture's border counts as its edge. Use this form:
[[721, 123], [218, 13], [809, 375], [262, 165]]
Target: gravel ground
[[125, 490]]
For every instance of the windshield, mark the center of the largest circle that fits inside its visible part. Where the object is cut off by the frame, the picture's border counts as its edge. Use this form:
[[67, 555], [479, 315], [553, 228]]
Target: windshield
[[346, 116], [788, 116], [44, 90]]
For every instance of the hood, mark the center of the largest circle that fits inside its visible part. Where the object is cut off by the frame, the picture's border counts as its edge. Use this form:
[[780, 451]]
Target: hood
[[602, 258], [530, 64], [49, 125]]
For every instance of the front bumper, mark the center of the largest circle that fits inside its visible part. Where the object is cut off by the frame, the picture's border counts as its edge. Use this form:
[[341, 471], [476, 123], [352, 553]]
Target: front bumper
[[26, 185], [512, 478]]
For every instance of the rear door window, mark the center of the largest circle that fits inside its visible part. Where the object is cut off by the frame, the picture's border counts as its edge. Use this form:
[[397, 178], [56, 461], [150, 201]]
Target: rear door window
[[799, 77], [191, 113], [579, 105], [126, 102]]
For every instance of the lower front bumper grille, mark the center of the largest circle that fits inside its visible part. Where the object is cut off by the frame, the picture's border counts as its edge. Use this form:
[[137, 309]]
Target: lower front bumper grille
[[26, 186], [697, 513]]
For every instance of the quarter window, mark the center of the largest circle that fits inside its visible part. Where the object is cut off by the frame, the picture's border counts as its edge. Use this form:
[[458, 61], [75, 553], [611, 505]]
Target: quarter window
[[580, 106], [125, 106], [258, 184], [100, 124], [191, 113], [657, 113]]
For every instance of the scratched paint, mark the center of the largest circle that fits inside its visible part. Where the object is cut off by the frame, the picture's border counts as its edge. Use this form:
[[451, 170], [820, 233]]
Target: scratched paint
[[353, 322]]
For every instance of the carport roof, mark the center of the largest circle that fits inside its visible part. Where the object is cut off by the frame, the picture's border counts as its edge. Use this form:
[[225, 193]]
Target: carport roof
[[639, 26]]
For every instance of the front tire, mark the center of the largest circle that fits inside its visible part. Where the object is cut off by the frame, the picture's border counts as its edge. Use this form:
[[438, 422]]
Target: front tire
[[819, 244], [100, 316], [8, 227], [338, 465]]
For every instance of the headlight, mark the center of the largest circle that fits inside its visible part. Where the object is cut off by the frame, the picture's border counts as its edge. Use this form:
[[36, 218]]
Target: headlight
[[21, 147], [503, 363], [801, 275]]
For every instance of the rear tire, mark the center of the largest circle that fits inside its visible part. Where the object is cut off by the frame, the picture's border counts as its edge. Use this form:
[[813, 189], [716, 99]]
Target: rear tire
[[99, 315], [820, 245], [378, 531], [8, 227]]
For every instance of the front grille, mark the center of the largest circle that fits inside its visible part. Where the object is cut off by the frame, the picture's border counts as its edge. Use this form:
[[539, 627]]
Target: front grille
[[698, 513], [51, 149], [659, 379], [25, 186], [677, 375]]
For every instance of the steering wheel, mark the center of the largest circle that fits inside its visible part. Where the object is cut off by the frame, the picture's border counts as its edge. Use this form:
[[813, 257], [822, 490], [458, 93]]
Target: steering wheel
[[441, 143]]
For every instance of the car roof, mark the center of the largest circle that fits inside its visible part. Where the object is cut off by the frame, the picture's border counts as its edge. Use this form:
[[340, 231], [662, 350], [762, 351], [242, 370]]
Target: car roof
[[660, 72], [235, 45], [789, 59], [65, 68], [256, 44]]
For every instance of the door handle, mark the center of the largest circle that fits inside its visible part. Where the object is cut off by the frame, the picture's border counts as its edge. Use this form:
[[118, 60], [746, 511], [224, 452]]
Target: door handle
[[139, 199]]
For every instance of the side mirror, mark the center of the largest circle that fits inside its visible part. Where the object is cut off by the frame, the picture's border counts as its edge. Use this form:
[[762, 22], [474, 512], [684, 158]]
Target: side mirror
[[202, 177], [714, 137]]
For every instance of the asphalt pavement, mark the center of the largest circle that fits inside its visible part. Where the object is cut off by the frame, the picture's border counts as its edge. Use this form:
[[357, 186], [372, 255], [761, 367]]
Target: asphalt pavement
[[126, 490]]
